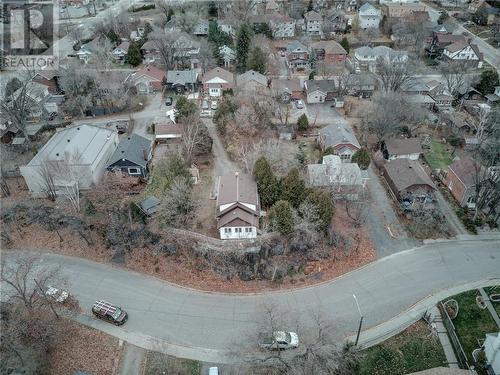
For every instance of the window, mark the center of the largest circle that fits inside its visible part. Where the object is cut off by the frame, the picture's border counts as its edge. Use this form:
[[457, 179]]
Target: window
[[248, 230], [227, 230], [237, 230], [134, 171]]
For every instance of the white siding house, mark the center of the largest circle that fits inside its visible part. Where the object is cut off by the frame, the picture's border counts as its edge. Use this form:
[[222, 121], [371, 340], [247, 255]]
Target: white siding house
[[369, 16]]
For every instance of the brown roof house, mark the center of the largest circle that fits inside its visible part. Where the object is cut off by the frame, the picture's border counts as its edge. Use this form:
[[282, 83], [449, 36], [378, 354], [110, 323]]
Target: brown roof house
[[402, 148], [461, 180], [167, 131], [409, 184], [238, 207], [148, 79], [216, 81]]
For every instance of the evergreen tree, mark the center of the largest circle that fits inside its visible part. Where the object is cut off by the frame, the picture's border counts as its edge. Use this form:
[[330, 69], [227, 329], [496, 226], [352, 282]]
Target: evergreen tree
[[293, 188], [323, 202], [170, 14], [212, 9], [257, 60], [302, 122], [310, 6], [242, 47], [362, 157], [113, 37], [267, 183], [489, 79], [312, 61], [311, 75], [442, 17], [184, 108], [281, 217], [345, 44], [134, 56]]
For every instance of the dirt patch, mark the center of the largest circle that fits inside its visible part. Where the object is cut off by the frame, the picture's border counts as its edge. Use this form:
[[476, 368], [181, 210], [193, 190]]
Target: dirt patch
[[84, 349]]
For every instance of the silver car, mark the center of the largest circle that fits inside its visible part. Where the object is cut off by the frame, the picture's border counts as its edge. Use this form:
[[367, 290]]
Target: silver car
[[279, 340]]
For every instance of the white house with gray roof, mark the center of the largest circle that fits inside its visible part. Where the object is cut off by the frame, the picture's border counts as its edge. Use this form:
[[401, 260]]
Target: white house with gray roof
[[369, 16], [339, 139], [132, 156], [366, 57], [76, 154]]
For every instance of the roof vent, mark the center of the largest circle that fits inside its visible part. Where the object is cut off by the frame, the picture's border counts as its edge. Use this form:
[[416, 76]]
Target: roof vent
[[128, 138], [57, 154], [68, 140], [78, 128], [123, 151]]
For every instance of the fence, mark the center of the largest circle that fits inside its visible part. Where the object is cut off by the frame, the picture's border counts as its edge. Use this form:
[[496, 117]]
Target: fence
[[455, 342]]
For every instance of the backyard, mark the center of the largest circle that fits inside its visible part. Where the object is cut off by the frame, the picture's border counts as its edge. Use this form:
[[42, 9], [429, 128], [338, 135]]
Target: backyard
[[438, 157], [415, 349], [472, 323]]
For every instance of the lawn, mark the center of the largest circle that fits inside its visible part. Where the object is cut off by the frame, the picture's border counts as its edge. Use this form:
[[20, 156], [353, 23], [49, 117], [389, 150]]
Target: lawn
[[159, 363], [494, 290], [471, 323], [415, 349], [438, 156]]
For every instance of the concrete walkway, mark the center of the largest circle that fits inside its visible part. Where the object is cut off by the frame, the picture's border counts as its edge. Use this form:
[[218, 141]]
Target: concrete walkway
[[451, 217], [442, 334], [131, 360], [490, 307]]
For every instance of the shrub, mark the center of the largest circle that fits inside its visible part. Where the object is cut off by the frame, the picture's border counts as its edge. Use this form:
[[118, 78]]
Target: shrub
[[89, 208], [281, 217], [362, 157], [302, 122], [456, 141], [323, 202]]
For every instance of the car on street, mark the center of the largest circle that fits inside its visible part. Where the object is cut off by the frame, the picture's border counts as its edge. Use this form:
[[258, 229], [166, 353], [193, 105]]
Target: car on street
[[279, 340], [57, 294], [169, 101], [204, 105], [213, 105], [299, 104], [109, 312], [468, 23]]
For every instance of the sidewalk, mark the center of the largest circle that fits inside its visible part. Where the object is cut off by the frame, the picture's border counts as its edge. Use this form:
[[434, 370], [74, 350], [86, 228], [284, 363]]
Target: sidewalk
[[442, 334]]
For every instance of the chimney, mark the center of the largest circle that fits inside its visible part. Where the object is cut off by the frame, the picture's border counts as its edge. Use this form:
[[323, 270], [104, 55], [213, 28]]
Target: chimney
[[145, 154], [236, 174]]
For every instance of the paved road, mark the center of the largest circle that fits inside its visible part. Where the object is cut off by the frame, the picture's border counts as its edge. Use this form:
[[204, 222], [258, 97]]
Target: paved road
[[212, 321]]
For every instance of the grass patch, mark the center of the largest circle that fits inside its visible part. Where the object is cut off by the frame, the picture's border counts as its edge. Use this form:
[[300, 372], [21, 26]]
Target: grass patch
[[159, 363], [415, 349], [438, 156], [471, 323], [494, 290]]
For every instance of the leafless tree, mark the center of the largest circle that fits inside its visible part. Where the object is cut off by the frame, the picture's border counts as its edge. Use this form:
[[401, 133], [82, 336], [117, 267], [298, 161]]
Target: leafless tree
[[192, 135], [281, 155], [454, 76], [102, 55], [177, 208], [47, 176], [392, 75], [206, 58], [411, 34]]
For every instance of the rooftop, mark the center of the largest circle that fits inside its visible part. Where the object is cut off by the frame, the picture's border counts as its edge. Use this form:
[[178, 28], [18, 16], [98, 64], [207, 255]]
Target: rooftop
[[338, 133], [182, 76], [403, 146], [133, 148], [405, 173], [237, 187]]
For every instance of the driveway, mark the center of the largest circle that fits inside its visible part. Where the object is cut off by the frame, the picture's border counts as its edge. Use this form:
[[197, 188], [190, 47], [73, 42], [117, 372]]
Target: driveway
[[222, 163], [208, 326], [386, 231]]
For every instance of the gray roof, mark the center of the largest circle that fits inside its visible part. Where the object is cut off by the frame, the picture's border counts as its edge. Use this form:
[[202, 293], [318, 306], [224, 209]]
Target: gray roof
[[380, 51], [338, 133], [132, 148], [403, 146], [333, 172], [252, 75], [295, 44], [181, 77], [150, 205], [362, 79], [414, 84], [85, 141], [405, 173], [323, 85]]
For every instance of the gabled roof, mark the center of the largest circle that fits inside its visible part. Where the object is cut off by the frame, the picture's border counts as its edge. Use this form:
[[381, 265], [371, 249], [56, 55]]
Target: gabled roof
[[330, 46], [133, 148], [294, 45], [465, 170], [123, 45], [166, 128], [368, 9], [150, 71], [333, 172], [403, 146], [218, 73], [181, 77], [149, 45], [236, 187], [457, 46], [322, 85], [252, 75], [286, 85], [238, 217], [406, 173], [338, 133], [34, 90], [312, 16], [380, 51]]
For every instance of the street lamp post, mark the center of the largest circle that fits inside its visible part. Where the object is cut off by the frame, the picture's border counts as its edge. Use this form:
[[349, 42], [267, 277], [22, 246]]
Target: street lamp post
[[360, 320]]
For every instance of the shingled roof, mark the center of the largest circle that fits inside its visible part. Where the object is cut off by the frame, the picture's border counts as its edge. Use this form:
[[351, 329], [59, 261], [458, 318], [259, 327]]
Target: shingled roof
[[406, 173]]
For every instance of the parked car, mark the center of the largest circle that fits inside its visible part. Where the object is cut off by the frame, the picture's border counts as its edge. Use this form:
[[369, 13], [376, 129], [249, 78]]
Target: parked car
[[468, 23], [204, 105], [299, 104], [213, 105], [169, 101], [57, 294], [107, 311], [279, 340]]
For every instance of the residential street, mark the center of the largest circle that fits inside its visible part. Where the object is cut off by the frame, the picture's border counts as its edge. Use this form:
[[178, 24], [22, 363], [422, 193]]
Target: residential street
[[206, 326]]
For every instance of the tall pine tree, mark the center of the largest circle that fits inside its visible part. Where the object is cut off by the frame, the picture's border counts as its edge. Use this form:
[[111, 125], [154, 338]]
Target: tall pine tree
[[267, 183], [293, 188], [257, 60], [242, 47]]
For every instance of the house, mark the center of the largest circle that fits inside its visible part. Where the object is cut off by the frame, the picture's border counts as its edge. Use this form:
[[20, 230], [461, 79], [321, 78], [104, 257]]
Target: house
[[297, 56], [287, 89], [282, 26], [132, 156], [238, 208], [252, 81], [39, 100], [491, 347], [313, 22], [319, 91], [366, 58], [344, 179], [442, 38], [201, 28], [402, 148], [329, 51], [167, 131], [216, 81], [84, 149], [361, 84], [415, 86], [495, 97], [87, 50], [48, 78], [336, 21], [120, 53], [461, 178], [228, 55], [148, 79], [442, 97], [369, 16], [339, 139], [395, 11], [182, 81], [272, 6], [409, 184], [137, 34], [463, 51], [150, 52]]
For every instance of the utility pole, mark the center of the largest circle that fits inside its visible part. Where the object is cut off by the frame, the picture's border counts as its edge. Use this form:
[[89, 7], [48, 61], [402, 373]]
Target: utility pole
[[360, 320]]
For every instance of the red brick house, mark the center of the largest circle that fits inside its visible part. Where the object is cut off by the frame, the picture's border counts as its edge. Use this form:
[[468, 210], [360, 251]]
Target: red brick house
[[461, 181], [216, 81], [148, 79], [329, 51]]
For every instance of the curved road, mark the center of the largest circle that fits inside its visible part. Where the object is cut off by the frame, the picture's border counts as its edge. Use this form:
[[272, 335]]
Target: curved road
[[213, 322]]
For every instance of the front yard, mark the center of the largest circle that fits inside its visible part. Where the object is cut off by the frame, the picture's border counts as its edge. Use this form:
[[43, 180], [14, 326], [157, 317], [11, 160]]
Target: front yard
[[438, 157], [158, 363], [415, 349]]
